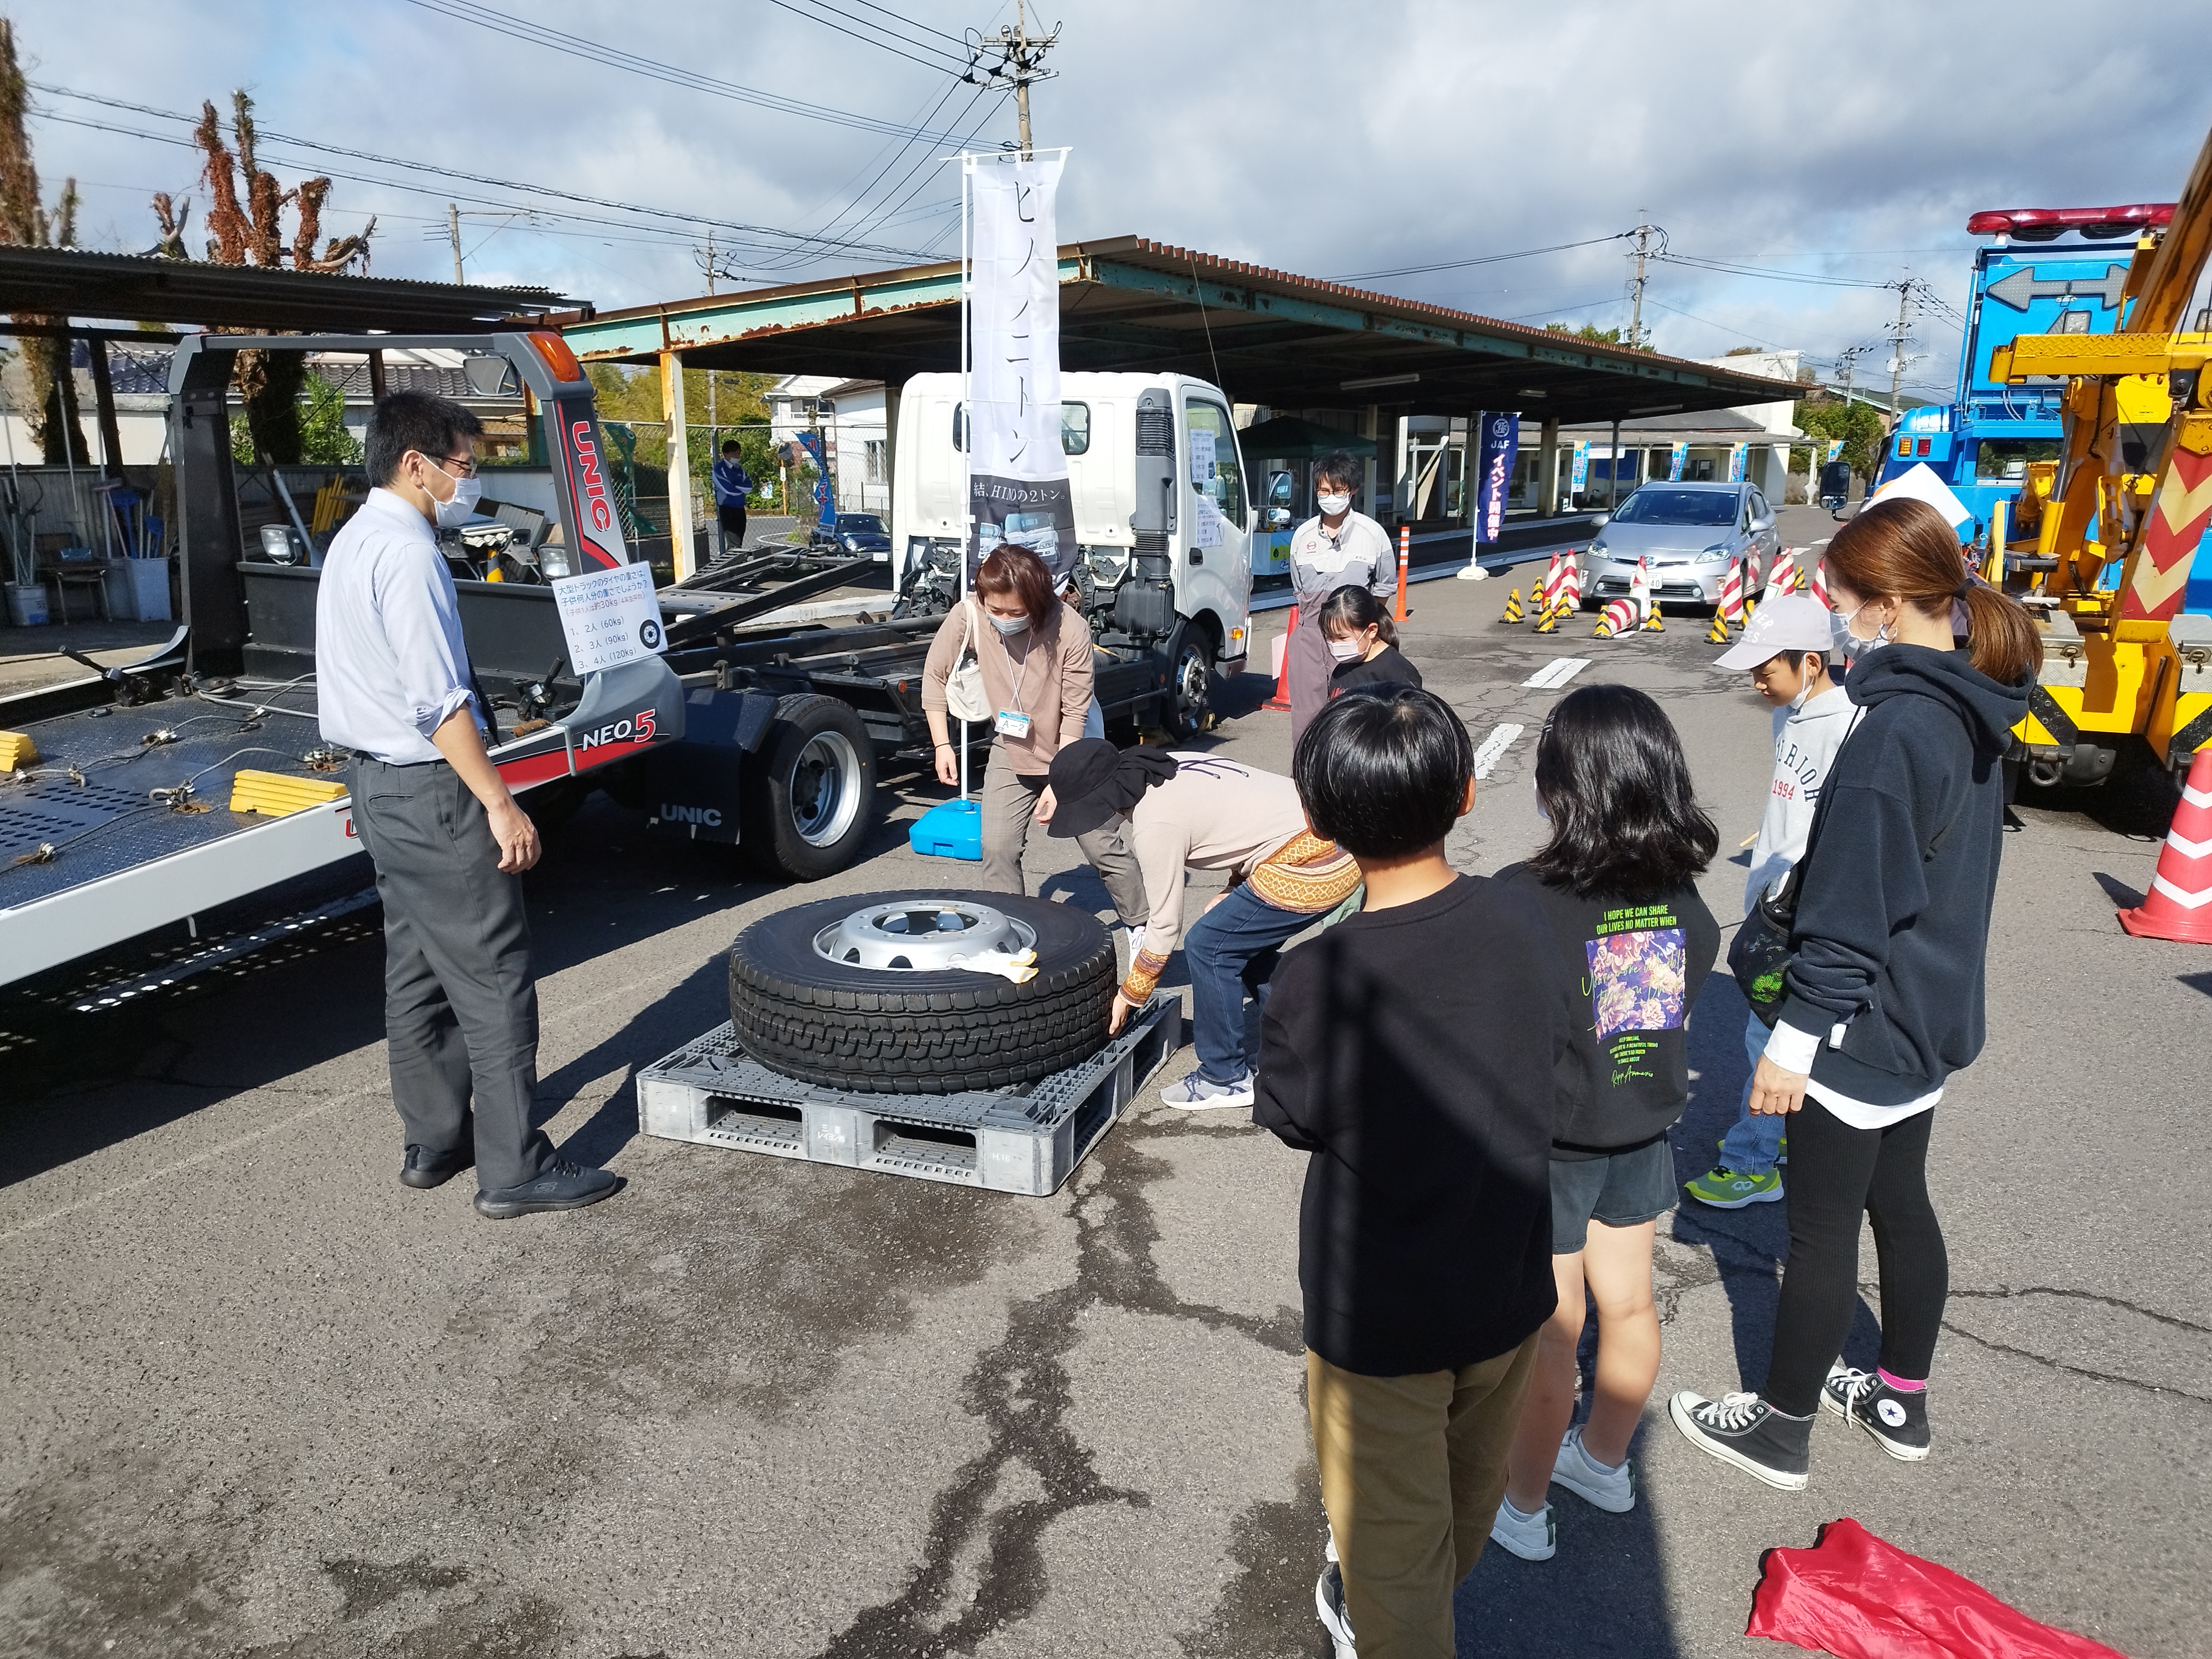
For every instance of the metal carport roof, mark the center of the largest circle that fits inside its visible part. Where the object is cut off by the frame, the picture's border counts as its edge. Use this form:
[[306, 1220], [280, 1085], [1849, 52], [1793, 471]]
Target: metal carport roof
[[133, 288], [1264, 337]]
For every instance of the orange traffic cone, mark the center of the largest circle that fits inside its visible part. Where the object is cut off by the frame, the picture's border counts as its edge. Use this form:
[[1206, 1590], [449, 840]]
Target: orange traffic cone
[[1282, 697], [2179, 905]]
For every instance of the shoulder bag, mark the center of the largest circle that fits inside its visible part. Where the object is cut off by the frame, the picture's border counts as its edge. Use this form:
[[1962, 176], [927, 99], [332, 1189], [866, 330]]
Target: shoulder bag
[[964, 686]]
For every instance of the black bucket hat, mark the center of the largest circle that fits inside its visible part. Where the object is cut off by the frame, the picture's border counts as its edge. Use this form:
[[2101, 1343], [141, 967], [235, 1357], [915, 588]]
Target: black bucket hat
[[1093, 783]]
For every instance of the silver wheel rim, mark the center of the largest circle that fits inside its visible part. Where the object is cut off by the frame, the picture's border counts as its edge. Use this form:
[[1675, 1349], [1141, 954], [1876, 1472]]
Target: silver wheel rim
[[1190, 678], [824, 787], [918, 934]]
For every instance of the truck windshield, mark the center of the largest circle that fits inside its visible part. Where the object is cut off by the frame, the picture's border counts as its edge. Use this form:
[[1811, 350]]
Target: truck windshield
[[2008, 457], [1691, 507]]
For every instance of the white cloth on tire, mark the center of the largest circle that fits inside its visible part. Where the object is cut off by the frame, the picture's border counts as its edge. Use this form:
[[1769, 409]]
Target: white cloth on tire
[[1019, 966]]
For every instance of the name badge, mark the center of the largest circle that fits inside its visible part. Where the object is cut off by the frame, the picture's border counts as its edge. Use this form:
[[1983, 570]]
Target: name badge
[[1014, 724]]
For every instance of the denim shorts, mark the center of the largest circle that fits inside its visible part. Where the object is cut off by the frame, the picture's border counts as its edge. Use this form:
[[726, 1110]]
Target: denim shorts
[[1624, 1190]]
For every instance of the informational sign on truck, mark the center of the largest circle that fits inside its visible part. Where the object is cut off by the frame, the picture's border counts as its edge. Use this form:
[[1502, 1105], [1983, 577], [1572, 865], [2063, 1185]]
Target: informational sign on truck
[[609, 616]]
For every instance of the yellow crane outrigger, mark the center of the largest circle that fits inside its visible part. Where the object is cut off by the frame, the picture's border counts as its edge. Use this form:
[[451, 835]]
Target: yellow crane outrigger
[[2132, 487]]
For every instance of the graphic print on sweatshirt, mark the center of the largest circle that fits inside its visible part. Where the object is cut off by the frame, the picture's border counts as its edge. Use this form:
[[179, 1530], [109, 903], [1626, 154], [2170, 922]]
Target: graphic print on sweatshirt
[[1639, 966]]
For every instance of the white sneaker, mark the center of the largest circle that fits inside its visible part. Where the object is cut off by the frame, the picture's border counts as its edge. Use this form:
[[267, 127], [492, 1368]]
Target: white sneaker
[[1611, 1490], [1533, 1538], [1195, 1094], [1329, 1602]]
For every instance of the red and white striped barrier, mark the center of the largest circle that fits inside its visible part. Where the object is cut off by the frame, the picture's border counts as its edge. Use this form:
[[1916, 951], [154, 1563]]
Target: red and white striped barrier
[[1619, 618], [1732, 594]]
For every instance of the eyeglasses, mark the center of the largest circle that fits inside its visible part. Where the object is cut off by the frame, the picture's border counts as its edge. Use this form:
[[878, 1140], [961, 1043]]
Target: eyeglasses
[[466, 464]]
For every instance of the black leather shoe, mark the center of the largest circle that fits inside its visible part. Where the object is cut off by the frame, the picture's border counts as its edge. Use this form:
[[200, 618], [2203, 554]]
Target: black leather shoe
[[426, 1169], [565, 1186]]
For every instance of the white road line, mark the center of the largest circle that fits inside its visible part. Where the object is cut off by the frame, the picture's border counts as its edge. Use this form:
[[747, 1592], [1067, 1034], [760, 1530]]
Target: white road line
[[1493, 748], [1556, 672]]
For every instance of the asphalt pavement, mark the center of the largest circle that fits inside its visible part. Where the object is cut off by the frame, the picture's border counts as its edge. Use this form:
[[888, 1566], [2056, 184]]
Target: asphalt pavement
[[256, 1398]]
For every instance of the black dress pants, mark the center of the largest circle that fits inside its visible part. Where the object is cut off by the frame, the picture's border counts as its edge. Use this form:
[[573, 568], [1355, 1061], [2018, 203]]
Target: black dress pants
[[460, 1004]]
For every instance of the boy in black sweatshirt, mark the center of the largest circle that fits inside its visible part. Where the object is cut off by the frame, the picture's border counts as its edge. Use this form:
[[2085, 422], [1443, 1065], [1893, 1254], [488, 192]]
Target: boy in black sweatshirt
[[1413, 1050]]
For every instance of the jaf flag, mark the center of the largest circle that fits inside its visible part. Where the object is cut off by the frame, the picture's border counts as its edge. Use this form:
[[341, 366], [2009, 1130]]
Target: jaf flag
[[1018, 487], [1582, 466], [1501, 441], [1737, 455], [1675, 456]]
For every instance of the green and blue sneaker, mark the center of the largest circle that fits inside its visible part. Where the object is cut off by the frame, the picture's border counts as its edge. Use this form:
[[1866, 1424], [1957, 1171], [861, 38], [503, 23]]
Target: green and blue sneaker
[[1726, 1189]]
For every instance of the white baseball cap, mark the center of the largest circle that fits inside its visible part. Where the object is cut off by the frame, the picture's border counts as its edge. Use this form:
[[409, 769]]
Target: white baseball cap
[[1790, 622]]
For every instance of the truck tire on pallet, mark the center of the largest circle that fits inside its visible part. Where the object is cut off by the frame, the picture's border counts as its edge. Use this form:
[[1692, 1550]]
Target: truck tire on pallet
[[893, 1030], [809, 801]]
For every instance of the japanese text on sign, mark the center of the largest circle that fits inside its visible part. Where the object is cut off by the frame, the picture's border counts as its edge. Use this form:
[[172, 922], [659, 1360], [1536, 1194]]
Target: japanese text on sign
[[609, 616]]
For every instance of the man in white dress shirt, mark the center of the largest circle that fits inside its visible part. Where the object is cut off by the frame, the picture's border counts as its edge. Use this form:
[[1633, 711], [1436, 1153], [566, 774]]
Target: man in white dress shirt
[[449, 841]]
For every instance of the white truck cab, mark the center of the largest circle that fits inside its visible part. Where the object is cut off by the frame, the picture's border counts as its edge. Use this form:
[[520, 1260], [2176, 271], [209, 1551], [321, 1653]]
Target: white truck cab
[[1163, 517]]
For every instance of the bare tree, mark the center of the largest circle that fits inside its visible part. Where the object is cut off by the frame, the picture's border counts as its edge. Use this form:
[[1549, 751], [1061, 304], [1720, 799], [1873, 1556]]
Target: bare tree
[[250, 232], [50, 407]]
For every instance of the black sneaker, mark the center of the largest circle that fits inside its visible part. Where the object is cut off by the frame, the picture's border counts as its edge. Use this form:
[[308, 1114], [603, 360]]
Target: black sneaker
[[424, 1169], [1898, 1421], [1744, 1430], [1329, 1601], [564, 1186]]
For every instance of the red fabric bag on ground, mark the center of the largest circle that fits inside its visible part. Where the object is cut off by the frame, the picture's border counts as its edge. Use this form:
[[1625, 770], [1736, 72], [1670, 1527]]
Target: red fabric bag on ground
[[1859, 1598]]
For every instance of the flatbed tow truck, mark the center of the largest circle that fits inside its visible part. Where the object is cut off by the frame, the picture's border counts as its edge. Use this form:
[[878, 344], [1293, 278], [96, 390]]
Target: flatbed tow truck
[[124, 814]]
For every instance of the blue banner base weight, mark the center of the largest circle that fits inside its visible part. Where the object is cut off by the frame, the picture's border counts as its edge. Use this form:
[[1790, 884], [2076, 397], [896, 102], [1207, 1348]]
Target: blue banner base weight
[[952, 830]]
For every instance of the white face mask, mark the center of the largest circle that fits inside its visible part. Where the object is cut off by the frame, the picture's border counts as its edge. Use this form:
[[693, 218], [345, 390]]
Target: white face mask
[[458, 508], [1332, 505], [1008, 626], [1850, 643], [1347, 650]]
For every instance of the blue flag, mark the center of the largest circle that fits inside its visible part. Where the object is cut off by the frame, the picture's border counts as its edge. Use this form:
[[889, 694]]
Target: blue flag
[[1501, 441]]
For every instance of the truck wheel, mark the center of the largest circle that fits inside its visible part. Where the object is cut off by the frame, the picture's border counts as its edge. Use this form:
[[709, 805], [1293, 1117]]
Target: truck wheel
[[819, 991], [808, 804], [1190, 678]]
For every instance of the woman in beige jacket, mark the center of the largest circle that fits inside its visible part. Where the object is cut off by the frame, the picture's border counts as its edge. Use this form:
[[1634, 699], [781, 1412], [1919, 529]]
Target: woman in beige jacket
[[1035, 660]]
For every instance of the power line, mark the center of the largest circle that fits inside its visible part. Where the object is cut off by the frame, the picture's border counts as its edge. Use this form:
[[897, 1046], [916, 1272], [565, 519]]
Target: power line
[[882, 39], [268, 137], [912, 23], [1729, 268], [1486, 259], [576, 46]]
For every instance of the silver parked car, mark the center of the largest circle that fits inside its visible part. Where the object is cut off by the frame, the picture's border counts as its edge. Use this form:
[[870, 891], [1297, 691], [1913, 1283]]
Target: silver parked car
[[1688, 533]]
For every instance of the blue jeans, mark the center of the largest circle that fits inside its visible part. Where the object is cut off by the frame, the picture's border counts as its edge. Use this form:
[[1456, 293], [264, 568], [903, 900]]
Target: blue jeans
[[1751, 1147], [1232, 949]]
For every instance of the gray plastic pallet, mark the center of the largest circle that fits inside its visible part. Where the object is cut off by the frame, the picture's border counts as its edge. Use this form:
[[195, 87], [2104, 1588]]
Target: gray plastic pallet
[[1030, 1140]]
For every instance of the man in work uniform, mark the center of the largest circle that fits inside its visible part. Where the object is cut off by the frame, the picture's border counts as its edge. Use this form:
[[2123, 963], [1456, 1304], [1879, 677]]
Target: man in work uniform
[[449, 843], [1339, 549], [732, 485]]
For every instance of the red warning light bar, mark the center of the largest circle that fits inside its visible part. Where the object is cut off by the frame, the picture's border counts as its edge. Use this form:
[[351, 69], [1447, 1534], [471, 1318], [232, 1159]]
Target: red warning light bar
[[2102, 224]]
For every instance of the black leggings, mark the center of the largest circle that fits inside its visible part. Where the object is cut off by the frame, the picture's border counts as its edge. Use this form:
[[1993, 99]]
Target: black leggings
[[1837, 1173]]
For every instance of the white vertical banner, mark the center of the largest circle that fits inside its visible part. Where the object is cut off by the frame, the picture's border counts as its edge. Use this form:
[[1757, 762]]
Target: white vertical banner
[[1018, 487]]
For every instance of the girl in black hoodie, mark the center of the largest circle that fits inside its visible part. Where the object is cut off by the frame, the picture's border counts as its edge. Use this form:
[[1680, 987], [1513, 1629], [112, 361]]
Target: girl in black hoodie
[[1883, 996]]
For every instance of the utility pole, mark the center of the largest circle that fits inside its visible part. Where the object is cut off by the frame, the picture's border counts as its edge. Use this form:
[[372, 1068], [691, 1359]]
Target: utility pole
[[1020, 55], [453, 232], [1642, 248], [1897, 340]]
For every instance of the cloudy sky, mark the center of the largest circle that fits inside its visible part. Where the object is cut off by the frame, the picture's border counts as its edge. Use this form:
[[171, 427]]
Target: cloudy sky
[[1830, 146]]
